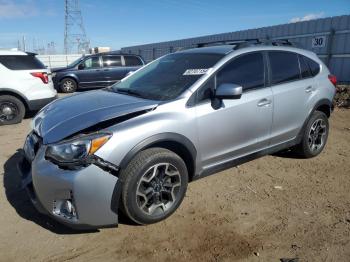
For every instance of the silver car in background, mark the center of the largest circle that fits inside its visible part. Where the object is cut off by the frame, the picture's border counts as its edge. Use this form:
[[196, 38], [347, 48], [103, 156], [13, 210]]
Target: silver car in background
[[135, 146]]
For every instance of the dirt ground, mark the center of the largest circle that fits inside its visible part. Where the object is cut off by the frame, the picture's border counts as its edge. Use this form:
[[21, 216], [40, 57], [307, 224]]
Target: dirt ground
[[271, 208]]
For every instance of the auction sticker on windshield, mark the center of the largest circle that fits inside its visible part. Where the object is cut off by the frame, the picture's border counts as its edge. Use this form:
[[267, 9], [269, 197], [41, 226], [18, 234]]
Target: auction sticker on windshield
[[196, 71]]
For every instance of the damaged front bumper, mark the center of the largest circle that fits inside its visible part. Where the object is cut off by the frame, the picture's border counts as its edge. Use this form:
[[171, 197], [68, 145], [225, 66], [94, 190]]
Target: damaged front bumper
[[84, 198]]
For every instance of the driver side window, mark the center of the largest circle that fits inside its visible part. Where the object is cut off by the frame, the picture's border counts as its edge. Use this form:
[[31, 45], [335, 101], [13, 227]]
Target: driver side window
[[206, 91], [92, 62], [246, 70]]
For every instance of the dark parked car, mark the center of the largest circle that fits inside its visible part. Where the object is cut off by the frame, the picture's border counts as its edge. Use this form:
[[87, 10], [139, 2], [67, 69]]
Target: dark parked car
[[95, 71]]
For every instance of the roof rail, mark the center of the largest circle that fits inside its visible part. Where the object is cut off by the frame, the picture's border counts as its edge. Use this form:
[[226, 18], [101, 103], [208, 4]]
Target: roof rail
[[238, 44]]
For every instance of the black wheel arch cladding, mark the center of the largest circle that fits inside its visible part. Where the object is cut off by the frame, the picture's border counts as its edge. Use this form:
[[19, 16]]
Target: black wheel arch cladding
[[154, 141]]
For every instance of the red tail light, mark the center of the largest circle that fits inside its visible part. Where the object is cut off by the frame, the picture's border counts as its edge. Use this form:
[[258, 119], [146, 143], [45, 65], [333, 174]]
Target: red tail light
[[42, 75], [333, 79]]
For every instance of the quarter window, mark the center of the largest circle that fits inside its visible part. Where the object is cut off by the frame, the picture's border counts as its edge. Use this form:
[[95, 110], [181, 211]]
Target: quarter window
[[111, 61], [246, 70], [284, 67], [304, 68], [314, 67]]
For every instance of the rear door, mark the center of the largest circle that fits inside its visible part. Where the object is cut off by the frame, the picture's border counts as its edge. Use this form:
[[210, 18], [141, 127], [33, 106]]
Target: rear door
[[90, 74], [239, 126], [113, 68], [293, 88]]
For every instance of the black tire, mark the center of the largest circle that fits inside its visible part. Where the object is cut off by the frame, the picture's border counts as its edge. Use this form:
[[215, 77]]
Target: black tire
[[131, 179], [305, 148], [12, 110], [68, 85]]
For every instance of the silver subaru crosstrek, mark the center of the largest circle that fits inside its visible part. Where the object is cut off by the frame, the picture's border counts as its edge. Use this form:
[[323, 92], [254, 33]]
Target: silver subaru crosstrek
[[135, 145]]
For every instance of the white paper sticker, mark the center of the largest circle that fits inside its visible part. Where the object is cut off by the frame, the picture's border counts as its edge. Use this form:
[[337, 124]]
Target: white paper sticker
[[196, 71]]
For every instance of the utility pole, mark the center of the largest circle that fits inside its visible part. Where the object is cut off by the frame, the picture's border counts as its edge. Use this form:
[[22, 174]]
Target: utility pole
[[74, 30], [24, 43]]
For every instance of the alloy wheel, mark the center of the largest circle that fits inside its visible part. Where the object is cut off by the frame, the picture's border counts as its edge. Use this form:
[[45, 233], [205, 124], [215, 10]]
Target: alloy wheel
[[8, 111], [158, 189], [317, 135], [68, 85]]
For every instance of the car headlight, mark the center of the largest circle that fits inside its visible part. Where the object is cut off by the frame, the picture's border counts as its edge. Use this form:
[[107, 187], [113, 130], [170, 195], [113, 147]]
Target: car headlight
[[76, 150], [53, 74]]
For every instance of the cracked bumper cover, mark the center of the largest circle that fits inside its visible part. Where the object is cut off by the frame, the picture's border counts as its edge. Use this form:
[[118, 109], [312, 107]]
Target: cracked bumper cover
[[93, 190]]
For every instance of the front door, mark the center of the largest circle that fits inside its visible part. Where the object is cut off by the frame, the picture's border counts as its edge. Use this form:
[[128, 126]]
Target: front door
[[240, 126], [90, 73]]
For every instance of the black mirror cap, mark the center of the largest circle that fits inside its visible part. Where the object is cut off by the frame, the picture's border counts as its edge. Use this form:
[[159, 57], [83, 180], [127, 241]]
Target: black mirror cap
[[228, 91], [81, 66]]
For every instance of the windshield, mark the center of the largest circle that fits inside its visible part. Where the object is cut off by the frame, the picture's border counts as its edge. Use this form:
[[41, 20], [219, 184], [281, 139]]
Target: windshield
[[167, 77], [75, 62]]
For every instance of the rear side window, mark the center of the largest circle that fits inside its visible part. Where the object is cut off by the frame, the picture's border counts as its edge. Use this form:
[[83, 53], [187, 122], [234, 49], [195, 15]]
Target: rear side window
[[110, 60], [246, 70], [284, 67], [304, 68], [21, 62], [132, 61], [314, 67]]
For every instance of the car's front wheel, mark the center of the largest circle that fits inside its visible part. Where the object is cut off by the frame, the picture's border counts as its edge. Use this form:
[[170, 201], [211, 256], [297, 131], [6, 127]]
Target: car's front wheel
[[68, 85], [154, 185], [12, 110]]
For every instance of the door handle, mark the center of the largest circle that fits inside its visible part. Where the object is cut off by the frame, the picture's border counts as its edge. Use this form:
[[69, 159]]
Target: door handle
[[264, 102], [106, 70], [309, 89]]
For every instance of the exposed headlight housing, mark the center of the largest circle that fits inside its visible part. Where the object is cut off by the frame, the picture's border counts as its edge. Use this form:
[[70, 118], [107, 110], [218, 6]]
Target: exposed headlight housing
[[76, 150]]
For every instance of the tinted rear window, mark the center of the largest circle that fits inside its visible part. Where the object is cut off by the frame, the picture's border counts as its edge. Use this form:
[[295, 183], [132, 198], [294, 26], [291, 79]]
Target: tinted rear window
[[21, 62], [304, 68], [314, 67], [284, 66], [132, 61]]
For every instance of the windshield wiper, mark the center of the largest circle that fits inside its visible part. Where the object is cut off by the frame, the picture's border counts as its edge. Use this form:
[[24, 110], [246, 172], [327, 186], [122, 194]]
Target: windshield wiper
[[128, 91]]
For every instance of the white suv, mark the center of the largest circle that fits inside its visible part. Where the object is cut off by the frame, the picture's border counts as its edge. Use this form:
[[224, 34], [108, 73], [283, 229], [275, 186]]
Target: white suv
[[25, 85]]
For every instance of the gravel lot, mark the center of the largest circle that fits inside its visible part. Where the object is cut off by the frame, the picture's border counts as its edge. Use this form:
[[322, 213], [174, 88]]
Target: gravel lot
[[271, 208]]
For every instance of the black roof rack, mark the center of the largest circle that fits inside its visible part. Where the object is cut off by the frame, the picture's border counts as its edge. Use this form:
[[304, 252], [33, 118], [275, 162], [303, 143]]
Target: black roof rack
[[237, 44]]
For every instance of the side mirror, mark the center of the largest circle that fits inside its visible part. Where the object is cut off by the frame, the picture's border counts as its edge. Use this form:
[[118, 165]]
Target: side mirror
[[81, 66], [228, 91]]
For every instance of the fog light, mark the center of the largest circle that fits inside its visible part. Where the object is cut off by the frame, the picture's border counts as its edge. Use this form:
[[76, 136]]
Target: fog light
[[65, 208]]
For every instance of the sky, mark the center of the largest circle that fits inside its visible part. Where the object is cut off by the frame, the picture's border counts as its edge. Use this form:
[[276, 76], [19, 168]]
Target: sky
[[119, 24]]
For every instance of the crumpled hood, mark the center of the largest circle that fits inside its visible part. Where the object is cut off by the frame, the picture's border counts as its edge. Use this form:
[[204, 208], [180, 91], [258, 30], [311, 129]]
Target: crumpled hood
[[69, 115]]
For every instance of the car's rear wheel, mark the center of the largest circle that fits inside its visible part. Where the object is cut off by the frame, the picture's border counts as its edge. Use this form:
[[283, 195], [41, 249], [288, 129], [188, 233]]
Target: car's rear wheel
[[12, 110], [68, 85], [154, 185], [315, 135]]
